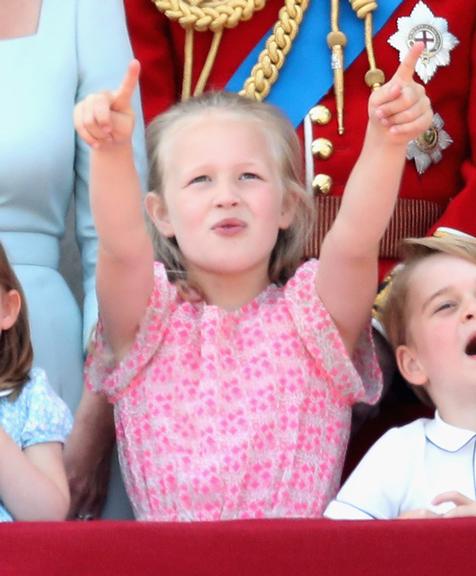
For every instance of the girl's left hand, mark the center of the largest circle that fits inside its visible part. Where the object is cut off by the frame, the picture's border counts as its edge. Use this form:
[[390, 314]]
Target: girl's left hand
[[401, 107]]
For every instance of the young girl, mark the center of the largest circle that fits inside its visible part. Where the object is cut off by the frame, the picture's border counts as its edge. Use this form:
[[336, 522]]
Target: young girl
[[34, 421], [231, 368]]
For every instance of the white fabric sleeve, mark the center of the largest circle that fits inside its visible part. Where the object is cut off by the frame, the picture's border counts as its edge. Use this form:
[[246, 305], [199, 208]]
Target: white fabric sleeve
[[376, 488]]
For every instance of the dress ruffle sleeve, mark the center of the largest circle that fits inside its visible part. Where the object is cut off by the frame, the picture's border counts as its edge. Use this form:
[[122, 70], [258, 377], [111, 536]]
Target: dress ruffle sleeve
[[102, 374], [47, 418], [351, 380]]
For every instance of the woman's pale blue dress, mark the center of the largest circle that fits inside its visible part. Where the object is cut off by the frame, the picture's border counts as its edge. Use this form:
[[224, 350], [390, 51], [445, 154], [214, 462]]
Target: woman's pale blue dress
[[81, 46]]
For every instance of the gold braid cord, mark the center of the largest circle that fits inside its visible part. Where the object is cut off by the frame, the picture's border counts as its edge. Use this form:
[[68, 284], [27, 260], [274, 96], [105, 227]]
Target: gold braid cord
[[213, 15], [216, 15], [266, 71], [200, 16], [336, 40], [364, 8]]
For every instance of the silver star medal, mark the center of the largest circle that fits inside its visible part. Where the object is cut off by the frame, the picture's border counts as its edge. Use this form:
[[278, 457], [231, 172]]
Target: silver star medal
[[423, 26], [427, 148]]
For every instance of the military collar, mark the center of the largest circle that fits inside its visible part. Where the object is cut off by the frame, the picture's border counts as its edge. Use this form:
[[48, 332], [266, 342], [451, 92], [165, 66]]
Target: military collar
[[445, 436]]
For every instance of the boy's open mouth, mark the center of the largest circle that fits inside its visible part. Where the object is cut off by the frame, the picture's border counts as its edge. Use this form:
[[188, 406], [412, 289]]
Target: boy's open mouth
[[470, 349]]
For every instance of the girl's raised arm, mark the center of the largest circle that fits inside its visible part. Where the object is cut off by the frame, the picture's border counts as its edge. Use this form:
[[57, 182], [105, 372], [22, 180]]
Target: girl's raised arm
[[125, 254], [347, 281]]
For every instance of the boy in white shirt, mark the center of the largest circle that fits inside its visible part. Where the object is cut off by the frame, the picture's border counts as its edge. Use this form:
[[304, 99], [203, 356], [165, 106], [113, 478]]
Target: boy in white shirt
[[427, 468]]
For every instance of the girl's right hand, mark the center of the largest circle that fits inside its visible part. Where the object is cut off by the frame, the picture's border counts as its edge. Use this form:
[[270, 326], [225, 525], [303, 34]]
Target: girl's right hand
[[108, 117]]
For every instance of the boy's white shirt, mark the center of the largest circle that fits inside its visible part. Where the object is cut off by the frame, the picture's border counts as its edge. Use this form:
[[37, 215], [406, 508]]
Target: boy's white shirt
[[406, 468]]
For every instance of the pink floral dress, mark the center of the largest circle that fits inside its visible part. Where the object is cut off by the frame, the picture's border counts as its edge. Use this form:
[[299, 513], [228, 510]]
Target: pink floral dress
[[242, 414]]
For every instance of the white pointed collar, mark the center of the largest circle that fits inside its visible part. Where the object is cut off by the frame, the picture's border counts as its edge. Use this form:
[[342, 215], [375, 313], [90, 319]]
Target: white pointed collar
[[445, 436]]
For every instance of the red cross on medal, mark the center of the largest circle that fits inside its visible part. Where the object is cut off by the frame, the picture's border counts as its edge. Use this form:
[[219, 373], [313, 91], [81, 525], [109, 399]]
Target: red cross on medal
[[423, 26]]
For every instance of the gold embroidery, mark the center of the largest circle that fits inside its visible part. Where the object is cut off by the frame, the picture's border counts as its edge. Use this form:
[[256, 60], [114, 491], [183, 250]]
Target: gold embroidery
[[270, 61], [201, 15], [216, 15]]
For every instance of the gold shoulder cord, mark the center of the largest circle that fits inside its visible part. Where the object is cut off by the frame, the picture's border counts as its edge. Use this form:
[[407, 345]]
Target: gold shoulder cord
[[336, 41], [374, 77], [270, 61], [216, 15], [202, 15]]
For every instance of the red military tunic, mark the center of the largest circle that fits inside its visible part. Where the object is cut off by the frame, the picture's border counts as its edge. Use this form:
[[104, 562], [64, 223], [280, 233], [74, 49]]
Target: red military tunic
[[447, 190]]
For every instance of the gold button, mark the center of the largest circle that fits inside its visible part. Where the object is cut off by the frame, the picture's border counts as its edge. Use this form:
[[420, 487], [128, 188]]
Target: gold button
[[322, 148], [320, 115], [322, 184]]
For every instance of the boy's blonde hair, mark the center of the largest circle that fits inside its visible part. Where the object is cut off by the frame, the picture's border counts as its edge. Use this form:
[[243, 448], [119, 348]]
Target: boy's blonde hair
[[285, 147], [16, 352], [395, 308]]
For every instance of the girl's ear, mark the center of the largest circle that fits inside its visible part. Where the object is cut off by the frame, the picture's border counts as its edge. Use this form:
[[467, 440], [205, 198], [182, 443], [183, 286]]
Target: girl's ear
[[10, 308], [158, 213], [288, 210], [410, 366]]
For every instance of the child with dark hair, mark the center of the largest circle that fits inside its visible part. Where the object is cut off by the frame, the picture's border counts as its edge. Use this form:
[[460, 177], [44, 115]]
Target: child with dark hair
[[34, 421]]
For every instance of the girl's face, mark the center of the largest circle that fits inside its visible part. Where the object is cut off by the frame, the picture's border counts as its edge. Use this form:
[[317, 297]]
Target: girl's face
[[223, 200], [441, 351]]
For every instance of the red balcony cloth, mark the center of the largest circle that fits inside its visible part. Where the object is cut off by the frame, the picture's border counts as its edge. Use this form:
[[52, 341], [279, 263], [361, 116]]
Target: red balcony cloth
[[240, 548]]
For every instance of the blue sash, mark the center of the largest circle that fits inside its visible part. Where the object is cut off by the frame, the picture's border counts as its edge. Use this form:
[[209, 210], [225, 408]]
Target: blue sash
[[307, 75]]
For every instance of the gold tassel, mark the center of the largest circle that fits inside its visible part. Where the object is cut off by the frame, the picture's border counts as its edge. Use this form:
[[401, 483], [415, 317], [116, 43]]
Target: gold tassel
[[336, 40], [374, 78]]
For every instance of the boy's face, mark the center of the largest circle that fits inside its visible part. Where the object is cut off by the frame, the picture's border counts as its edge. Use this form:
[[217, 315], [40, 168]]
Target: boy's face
[[441, 348]]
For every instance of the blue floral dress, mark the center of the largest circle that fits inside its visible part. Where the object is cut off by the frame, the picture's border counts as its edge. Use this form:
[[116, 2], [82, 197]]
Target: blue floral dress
[[37, 415]]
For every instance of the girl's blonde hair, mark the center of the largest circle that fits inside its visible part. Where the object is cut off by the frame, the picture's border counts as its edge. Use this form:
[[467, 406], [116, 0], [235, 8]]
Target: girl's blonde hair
[[395, 313], [285, 147], [16, 352]]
